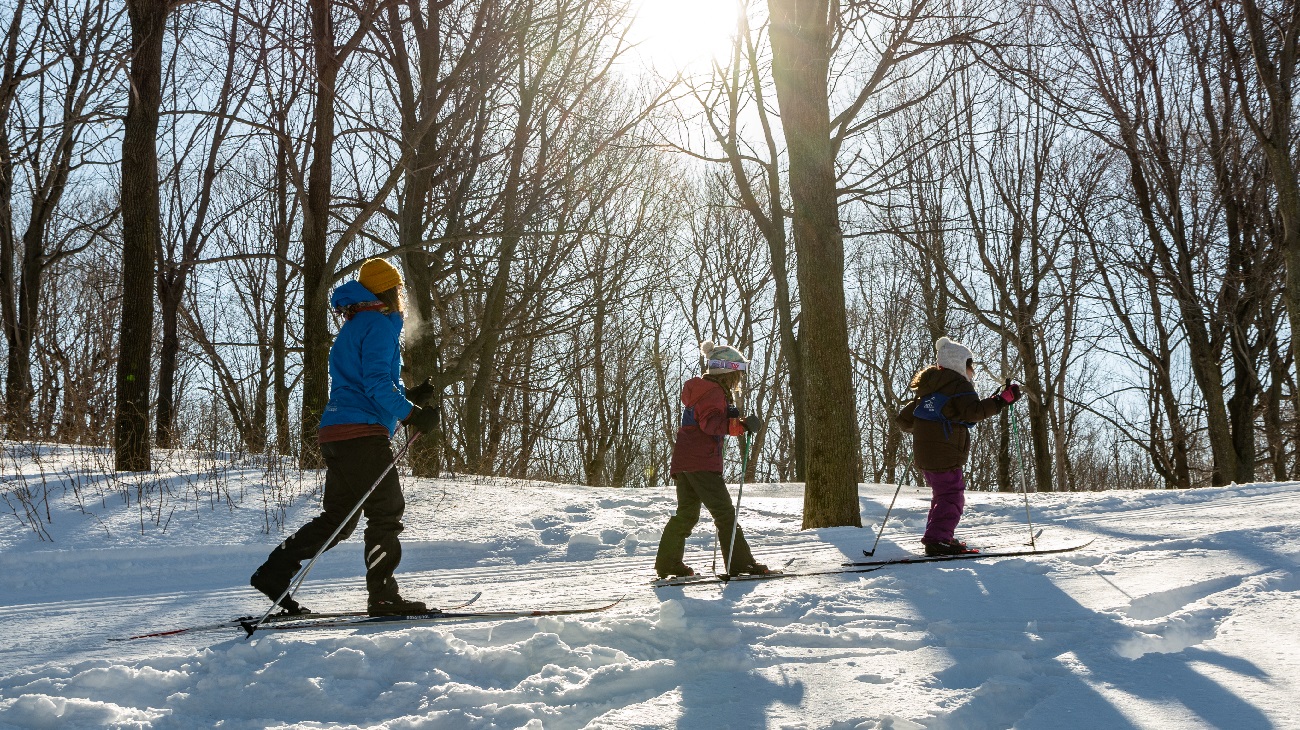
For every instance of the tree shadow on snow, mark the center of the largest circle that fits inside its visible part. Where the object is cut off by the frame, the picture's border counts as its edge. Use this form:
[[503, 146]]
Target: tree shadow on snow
[[1043, 686]]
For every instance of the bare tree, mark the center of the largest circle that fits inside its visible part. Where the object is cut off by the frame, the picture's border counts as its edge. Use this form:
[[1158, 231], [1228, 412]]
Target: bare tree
[[800, 37], [1264, 59], [141, 233], [191, 209], [329, 56], [1126, 64], [732, 92], [445, 60], [53, 100]]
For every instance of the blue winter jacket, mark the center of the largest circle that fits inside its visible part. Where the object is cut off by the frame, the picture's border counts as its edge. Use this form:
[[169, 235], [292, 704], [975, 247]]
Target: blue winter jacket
[[366, 365]]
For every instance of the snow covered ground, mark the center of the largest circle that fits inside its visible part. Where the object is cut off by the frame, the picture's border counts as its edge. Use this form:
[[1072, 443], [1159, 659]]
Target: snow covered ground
[[1181, 614]]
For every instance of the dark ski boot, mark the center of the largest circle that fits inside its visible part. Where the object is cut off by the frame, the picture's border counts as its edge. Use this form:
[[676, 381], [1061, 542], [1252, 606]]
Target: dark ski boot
[[940, 548], [397, 606], [271, 587], [680, 570], [752, 569]]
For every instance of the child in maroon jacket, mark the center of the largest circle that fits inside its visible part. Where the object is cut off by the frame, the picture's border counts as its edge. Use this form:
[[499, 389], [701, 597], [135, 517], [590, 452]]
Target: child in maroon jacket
[[709, 415]]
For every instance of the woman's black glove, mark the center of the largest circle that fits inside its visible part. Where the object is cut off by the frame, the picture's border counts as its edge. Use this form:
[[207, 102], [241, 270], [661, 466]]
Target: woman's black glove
[[422, 420], [422, 394]]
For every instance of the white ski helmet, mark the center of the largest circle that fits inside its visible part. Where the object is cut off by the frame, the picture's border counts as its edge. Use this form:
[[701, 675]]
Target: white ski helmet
[[722, 358]]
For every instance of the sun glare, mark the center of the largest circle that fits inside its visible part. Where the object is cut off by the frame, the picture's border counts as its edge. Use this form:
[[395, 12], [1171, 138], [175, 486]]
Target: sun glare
[[683, 36]]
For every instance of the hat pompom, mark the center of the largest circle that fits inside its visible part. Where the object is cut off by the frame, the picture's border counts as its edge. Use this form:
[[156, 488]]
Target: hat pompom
[[706, 348]]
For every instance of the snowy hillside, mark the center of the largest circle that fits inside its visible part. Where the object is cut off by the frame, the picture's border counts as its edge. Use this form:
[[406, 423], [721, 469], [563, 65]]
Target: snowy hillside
[[1181, 613]]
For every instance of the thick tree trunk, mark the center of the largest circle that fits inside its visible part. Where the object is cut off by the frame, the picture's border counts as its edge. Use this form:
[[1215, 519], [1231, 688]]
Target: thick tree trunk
[[15, 355], [1288, 207], [419, 99], [801, 50], [141, 234], [315, 237]]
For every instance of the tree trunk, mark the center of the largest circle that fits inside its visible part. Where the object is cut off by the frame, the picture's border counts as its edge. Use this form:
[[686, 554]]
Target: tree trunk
[[1039, 429], [1274, 40], [141, 234], [279, 308], [1275, 433], [316, 279], [169, 304], [18, 376], [801, 50], [790, 348], [419, 101], [477, 455]]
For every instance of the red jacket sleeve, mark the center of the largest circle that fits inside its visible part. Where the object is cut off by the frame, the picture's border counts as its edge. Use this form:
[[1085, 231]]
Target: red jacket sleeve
[[711, 412]]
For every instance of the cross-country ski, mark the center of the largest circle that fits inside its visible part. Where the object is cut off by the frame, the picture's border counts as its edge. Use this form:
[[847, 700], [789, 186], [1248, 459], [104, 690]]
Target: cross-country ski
[[273, 620], [867, 566], [983, 554], [327, 622]]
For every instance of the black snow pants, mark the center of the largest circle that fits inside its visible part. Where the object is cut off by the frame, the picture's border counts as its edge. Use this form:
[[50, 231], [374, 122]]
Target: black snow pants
[[351, 467], [696, 488]]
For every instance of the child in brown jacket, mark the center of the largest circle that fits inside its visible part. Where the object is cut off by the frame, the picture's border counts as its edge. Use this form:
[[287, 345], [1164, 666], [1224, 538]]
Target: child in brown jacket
[[939, 419]]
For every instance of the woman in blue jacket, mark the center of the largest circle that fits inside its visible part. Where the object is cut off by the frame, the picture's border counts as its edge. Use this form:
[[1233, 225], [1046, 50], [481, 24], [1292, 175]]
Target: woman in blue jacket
[[367, 398]]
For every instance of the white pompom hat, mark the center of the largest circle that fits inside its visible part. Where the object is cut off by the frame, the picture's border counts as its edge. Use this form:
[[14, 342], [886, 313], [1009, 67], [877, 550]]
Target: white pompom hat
[[952, 355], [722, 358]]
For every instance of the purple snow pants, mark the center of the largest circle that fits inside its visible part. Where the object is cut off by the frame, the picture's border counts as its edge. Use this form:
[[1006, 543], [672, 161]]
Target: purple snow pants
[[949, 498]]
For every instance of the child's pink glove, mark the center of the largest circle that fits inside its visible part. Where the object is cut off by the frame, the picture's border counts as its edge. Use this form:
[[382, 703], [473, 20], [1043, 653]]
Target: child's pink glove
[[1011, 393]]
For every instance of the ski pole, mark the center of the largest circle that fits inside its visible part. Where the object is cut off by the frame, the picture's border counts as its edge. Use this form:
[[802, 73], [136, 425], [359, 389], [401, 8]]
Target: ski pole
[[735, 524], [302, 574], [907, 473], [1024, 486]]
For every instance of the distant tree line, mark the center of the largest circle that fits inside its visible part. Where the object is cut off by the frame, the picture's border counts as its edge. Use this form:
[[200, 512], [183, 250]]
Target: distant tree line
[[1100, 197]]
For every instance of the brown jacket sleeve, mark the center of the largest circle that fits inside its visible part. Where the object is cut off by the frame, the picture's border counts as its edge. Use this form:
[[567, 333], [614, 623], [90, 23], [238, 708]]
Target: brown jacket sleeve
[[971, 409], [905, 418]]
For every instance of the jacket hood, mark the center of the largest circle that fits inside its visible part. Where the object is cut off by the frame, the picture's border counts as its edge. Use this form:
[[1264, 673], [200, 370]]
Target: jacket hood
[[934, 377], [695, 388], [349, 293]]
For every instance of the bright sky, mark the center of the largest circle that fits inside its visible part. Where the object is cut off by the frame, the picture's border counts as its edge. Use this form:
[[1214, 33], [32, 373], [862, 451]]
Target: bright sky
[[683, 35]]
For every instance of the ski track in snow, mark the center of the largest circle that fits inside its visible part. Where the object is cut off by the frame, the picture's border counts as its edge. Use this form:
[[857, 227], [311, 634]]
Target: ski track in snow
[[1181, 614]]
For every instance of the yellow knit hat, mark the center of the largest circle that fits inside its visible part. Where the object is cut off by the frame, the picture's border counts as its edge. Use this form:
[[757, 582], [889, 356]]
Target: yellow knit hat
[[378, 275]]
